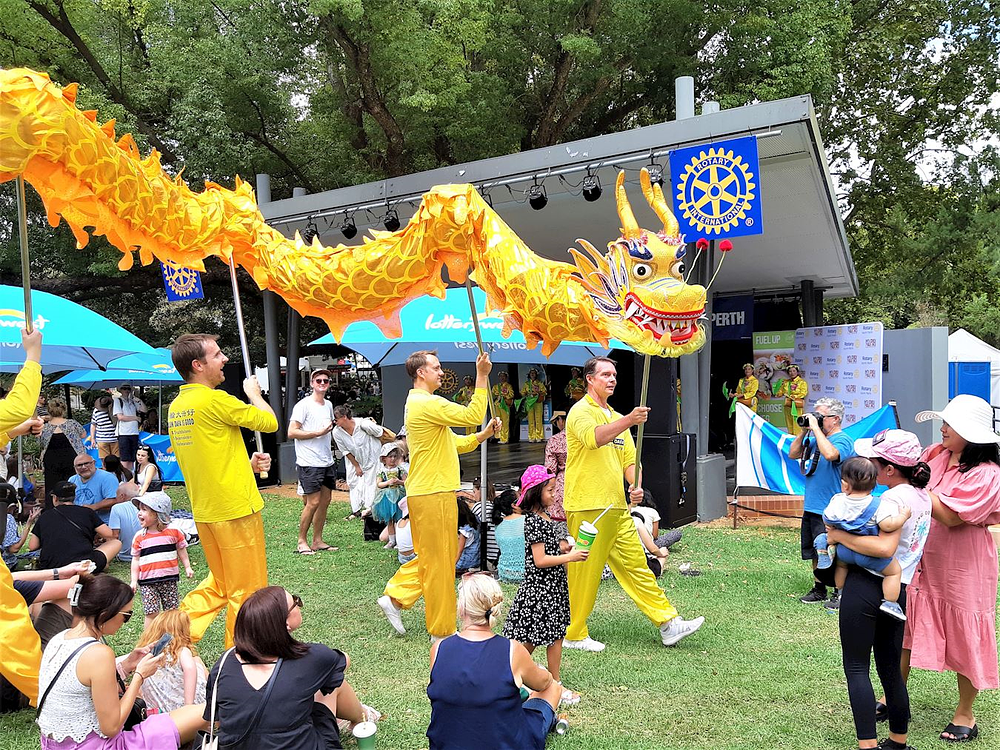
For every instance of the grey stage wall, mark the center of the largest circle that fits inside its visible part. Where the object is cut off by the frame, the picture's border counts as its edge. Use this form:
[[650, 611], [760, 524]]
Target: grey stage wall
[[917, 377]]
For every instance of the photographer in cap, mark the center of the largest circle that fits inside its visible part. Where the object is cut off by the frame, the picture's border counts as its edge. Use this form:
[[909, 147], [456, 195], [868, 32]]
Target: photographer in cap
[[833, 446]]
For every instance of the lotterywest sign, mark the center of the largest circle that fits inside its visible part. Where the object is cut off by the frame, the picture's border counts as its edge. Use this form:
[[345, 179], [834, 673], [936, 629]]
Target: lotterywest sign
[[732, 318]]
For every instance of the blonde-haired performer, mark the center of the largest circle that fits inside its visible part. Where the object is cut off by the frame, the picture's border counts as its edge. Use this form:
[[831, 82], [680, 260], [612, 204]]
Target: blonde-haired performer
[[476, 680], [22, 650]]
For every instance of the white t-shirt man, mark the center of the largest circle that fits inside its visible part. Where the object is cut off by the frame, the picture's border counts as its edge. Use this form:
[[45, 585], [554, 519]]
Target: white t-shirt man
[[313, 416], [128, 407]]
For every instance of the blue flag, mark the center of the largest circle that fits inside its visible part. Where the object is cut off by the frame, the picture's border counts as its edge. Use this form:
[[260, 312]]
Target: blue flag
[[181, 283], [762, 449], [715, 189]]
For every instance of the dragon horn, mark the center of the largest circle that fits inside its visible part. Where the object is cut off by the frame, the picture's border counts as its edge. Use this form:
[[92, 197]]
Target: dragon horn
[[630, 227], [654, 196]]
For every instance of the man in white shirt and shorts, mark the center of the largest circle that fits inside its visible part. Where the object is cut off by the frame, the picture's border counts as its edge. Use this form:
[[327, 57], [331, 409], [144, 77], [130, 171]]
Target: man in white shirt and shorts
[[310, 428]]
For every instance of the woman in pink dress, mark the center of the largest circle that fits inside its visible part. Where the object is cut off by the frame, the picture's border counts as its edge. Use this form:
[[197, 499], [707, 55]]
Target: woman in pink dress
[[951, 615], [555, 462]]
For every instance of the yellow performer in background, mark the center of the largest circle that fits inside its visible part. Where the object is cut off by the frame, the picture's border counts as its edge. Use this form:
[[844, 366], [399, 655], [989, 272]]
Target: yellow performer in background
[[795, 390], [534, 393], [430, 492], [600, 452], [20, 647], [503, 397], [205, 434], [576, 388], [746, 389], [464, 397]]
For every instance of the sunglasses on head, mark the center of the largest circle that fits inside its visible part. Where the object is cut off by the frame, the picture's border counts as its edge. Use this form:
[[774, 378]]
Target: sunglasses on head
[[296, 602], [126, 616]]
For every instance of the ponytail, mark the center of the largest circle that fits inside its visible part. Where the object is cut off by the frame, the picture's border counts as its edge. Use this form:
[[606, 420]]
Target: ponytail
[[918, 475]]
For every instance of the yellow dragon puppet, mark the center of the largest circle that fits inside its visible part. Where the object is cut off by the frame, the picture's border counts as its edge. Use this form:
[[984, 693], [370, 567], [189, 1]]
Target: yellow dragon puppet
[[634, 292]]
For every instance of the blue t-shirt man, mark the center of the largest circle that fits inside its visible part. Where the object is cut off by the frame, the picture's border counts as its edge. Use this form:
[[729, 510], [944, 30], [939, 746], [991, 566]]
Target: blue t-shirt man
[[125, 520], [822, 485], [101, 485]]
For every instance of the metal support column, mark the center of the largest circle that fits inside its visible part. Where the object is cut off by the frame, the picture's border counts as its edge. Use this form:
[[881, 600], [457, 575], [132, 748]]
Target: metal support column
[[271, 327], [292, 364]]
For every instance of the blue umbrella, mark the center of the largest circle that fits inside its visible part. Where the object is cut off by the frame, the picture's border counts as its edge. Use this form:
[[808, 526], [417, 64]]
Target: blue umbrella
[[73, 337], [446, 325], [157, 361], [103, 378]]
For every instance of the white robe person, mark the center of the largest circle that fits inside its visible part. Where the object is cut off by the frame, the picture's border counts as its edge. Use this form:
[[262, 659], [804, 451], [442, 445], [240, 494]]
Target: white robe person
[[365, 446]]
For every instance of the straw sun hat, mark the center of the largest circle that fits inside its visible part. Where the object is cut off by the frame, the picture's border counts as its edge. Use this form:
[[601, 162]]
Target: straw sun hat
[[970, 416]]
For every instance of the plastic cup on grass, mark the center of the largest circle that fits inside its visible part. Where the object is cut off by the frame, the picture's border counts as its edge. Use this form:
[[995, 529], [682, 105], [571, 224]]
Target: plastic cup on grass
[[365, 733]]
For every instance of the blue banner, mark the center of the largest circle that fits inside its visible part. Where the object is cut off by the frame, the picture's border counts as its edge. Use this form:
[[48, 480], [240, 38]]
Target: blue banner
[[715, 189], [732, 318], [762, 449], [165, 458], [181, 283]]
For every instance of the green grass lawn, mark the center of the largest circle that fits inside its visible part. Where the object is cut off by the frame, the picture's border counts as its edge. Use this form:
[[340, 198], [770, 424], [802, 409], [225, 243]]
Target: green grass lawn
[[763, 672]]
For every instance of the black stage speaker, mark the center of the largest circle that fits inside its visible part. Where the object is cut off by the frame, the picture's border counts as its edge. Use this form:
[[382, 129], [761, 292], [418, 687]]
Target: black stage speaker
[[233, 384]]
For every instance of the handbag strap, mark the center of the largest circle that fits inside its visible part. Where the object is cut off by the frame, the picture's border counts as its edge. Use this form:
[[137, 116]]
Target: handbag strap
[[67, 518], [38, 711], [260, 708], [215, 695]]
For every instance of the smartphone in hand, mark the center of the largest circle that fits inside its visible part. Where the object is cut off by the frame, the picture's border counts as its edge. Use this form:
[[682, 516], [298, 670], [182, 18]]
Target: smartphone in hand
[[161, 644]]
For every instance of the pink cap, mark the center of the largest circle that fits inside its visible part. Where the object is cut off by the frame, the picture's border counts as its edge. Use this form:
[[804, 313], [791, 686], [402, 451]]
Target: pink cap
[[533, 476], [895, 446]]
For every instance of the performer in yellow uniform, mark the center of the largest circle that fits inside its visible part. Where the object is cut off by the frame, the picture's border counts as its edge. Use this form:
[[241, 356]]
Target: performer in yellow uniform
[[205, 435], [746, 389], [464, 397], [600, 452], [795, 390], [576, 388], [430, 492], [503, 397], [534, 393], [20, 648]]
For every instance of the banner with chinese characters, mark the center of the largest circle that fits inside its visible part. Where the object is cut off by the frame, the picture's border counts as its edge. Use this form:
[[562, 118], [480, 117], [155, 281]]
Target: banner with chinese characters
[[715, 189], [843, 362], [773, 351]]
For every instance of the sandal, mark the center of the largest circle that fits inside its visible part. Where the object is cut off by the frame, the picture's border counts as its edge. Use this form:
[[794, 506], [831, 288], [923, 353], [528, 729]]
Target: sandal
[[569, 698], [326, 548], [960, 733], [304, 552]]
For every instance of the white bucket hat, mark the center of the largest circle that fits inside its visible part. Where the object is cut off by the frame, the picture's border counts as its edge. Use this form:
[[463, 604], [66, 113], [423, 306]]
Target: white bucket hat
[[970, 416]]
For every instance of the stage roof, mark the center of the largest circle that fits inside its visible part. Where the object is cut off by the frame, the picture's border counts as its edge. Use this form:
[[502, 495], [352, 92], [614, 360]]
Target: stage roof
[[803, 232]]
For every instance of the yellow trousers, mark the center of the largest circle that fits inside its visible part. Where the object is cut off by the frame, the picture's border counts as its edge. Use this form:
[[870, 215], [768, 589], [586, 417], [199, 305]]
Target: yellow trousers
[[618, 545], [790, 425], [237, 566], [434, 520], [20, 648], [536, 423], [503, 434]]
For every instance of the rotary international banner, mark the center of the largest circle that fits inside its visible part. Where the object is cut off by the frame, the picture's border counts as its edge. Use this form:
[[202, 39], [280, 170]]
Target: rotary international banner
[[715, 189], [773, 351], [843, 362]]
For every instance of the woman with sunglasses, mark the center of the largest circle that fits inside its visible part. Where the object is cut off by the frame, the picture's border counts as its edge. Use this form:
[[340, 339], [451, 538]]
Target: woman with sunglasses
[[79, 705], [275, 692], [147, 473]]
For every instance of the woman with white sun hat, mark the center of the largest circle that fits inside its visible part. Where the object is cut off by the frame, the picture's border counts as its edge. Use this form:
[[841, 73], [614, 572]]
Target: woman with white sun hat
[[951, 614]]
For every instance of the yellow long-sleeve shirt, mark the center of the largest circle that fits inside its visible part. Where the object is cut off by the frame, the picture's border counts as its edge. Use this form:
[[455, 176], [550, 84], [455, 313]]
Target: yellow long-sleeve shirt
[[205, 436], [595, 475], [434, 448], [20, 402]]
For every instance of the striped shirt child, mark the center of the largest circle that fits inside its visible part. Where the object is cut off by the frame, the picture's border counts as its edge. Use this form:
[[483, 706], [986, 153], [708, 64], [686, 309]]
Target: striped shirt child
[[157, 554]]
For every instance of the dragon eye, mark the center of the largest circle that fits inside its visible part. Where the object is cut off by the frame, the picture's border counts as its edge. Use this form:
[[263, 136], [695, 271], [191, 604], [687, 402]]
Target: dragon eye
[[641, 271]]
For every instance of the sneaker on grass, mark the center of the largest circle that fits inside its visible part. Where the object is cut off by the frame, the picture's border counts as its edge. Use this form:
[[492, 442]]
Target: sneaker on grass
[[672, 631], [816, 594], [834, 601], [392, 613], [893, 610], [586, 644]]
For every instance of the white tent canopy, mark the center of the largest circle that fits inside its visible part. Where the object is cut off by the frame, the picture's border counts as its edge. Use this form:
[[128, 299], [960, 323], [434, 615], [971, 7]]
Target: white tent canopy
[[964, 347]]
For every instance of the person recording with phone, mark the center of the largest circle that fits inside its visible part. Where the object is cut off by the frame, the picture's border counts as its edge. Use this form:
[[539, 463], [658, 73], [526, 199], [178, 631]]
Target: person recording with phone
[[821, 435]]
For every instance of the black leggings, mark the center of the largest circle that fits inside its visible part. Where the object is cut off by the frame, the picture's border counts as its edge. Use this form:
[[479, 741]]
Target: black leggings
[[862, 629]]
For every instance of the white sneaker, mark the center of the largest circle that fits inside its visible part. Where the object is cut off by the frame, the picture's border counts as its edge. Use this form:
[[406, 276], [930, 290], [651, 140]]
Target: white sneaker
[[392, 614], [672, 631], [390, 545], [587, 644]]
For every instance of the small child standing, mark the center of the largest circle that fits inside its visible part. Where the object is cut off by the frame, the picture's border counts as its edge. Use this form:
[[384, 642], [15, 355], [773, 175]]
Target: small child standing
[[539, 614], [855, 511], [391, 481], [155, 550]]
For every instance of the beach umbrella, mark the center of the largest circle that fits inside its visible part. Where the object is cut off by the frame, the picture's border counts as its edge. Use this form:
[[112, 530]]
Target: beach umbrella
[[446, 325], [113, 377], [74, 338]]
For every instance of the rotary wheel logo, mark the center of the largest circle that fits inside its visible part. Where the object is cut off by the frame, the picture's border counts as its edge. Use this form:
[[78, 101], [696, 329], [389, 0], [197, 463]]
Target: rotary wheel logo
[[716, 191], [182, 281], [449, 381]]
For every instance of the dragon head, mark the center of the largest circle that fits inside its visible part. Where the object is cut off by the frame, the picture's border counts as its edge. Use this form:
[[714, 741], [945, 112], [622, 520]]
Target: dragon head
[[638, 286]]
